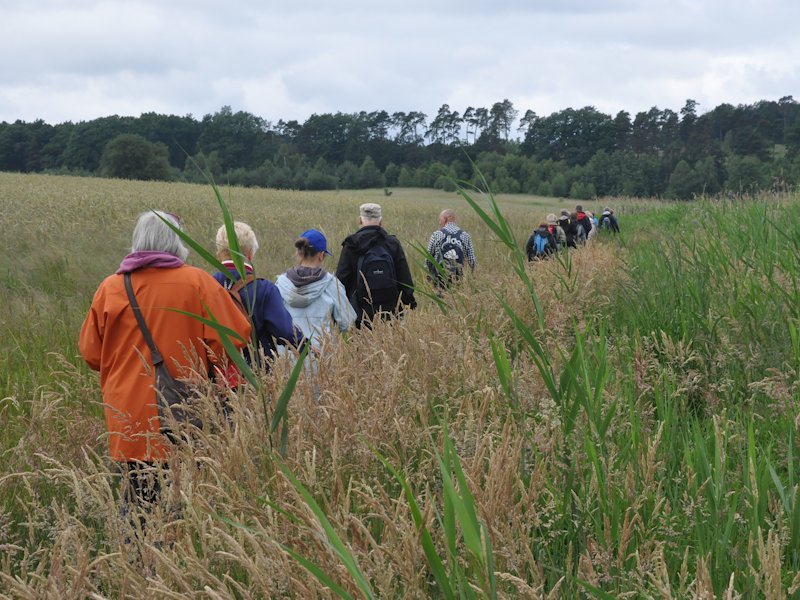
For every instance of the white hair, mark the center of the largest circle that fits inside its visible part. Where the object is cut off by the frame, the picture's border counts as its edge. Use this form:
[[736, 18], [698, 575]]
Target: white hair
[[245, 237], [151, 233], [370, 213]]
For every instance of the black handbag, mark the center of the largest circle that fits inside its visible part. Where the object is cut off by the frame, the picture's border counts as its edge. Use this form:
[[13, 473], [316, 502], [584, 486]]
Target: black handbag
[[176, 401]]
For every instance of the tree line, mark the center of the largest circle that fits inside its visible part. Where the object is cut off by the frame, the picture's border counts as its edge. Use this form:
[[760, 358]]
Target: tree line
[[577, 153]]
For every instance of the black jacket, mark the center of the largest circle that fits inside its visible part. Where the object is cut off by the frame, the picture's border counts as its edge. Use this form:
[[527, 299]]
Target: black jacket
[[583, 220], [570, 228], [609, 221], [550, 248], [356, 245]]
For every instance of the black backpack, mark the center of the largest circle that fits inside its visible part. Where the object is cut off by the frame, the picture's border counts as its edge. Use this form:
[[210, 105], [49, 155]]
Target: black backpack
[[376, 288], [586, 224], [570, 230], [450, 253]]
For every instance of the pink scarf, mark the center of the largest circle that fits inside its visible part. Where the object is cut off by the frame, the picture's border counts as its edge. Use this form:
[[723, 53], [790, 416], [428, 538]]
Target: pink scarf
[[148, 258]]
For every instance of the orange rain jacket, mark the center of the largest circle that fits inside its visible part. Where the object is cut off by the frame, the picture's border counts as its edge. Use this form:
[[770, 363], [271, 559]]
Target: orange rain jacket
[[111, 342]]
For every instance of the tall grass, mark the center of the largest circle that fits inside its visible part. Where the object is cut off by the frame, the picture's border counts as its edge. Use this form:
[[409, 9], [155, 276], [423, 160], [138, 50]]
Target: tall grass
[[619, 422]]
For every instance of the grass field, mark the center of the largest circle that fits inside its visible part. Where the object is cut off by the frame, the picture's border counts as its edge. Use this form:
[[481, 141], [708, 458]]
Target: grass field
[[621, 422], [66, 234]]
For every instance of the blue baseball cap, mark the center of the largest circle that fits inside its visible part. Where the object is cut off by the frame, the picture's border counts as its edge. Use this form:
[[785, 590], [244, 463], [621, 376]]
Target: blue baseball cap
[[316, 240]]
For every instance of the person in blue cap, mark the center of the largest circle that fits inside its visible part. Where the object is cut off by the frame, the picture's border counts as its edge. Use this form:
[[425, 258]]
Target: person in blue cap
[[316, 300]]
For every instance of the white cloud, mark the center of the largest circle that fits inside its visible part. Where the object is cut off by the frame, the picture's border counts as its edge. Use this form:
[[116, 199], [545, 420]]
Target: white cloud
[[81, 59]]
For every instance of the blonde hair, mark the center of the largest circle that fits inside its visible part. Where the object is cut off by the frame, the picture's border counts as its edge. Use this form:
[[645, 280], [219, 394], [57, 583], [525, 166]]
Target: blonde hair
[[245, 236]]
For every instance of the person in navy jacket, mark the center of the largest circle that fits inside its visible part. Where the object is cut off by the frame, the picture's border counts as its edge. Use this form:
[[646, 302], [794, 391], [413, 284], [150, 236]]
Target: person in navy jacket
[[272, 323]]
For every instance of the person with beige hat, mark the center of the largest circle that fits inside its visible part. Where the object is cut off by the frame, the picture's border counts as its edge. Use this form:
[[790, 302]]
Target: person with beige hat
[[557, 231], [374, 270]]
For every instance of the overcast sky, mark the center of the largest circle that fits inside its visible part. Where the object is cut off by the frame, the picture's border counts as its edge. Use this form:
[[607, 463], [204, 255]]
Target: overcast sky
[[73, 60]]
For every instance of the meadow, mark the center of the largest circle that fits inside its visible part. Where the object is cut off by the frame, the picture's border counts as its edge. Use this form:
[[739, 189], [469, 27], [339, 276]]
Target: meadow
[[619, 422]]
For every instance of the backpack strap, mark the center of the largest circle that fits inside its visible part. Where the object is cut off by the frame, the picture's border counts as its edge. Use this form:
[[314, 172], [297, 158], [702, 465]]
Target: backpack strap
[[235, 293], [359, 274], [137, 312], [242, 282]]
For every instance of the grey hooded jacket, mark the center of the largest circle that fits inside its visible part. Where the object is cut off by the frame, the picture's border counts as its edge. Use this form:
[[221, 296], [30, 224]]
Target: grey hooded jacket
[[316, 300]]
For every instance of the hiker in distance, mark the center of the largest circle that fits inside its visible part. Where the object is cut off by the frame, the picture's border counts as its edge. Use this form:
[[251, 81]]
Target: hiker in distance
[[573, 232], [556, 231], [260, 297], [374, 270], [155, 278], [583, 220], [608, 221], [541, 244], [451, 247]]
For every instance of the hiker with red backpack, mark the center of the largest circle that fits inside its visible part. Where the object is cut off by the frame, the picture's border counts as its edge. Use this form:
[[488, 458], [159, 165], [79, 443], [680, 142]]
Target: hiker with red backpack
[[374, 270], [259, 297], [583, 220], [556, 231]]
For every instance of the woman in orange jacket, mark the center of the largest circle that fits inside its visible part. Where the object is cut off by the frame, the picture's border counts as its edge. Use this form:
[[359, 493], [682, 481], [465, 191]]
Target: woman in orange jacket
[[111, 341]]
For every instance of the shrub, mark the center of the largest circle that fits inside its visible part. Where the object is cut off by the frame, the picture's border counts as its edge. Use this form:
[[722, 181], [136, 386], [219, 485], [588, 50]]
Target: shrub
[[130, 156]]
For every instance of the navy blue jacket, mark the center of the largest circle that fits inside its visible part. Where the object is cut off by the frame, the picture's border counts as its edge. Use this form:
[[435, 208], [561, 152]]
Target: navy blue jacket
[[271, 321]]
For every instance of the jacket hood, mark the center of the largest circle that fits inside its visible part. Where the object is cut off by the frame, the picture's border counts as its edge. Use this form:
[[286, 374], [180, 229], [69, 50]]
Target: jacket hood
[[362, 239], [304, 295], [301, 276]]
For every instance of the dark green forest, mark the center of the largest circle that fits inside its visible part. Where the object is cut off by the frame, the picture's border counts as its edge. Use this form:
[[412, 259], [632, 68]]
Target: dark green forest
[[578, 153]]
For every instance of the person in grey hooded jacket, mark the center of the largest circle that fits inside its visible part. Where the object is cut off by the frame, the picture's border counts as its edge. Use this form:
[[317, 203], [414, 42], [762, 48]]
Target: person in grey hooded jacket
[[315, 298]]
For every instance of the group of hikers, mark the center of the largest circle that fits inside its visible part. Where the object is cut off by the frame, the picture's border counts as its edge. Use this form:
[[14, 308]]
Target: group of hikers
[[143, 335], [567, 230]]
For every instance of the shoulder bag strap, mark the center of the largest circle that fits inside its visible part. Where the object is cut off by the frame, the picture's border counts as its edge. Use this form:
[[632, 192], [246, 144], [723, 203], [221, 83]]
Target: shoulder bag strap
[[154, 353]]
